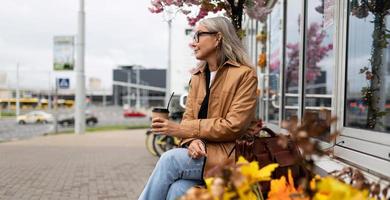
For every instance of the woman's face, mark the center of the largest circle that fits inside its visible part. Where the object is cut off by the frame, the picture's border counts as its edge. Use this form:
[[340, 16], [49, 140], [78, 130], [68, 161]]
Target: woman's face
[[204, 42]]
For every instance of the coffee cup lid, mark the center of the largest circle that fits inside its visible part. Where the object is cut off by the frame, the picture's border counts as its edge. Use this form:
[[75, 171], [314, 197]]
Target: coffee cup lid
[[161, 110]]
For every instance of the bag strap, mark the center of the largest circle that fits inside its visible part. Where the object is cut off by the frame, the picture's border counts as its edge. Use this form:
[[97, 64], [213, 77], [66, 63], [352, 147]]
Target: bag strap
[[231, 151]]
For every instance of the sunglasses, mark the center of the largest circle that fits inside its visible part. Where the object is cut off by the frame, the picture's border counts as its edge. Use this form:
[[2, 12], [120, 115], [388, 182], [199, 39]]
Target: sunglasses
[[200, 33]]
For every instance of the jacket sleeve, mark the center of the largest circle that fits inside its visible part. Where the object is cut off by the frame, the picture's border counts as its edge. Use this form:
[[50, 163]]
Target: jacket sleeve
[[238, 119], [188, 114]]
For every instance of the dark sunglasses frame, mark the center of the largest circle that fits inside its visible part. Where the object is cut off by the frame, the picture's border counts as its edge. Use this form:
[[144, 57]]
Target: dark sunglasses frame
[[200, 33]]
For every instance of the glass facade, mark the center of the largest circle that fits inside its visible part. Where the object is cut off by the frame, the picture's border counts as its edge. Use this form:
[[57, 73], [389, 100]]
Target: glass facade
[[332, 56], [368, 69]]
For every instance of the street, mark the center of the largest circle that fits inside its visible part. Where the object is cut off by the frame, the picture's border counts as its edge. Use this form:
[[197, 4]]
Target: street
[[9, 130], [107, 116]]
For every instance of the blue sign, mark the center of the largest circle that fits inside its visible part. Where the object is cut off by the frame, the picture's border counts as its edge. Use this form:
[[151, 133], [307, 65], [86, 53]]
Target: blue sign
[[63, 83]]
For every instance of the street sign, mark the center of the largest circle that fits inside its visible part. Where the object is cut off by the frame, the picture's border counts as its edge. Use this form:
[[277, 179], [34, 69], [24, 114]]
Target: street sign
[[63, 83]]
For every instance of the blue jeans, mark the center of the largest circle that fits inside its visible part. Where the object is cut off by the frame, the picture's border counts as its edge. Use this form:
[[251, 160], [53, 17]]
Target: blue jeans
[[173, 175]]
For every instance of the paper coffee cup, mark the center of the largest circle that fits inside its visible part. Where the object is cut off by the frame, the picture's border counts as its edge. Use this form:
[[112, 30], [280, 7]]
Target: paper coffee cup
[[160, 112]]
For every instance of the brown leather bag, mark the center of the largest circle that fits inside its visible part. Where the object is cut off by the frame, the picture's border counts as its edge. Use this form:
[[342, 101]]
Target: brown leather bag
[[266, 150]]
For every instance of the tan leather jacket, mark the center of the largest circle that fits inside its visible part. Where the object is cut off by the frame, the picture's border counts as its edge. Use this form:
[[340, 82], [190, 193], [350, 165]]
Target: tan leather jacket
[[231, 110]]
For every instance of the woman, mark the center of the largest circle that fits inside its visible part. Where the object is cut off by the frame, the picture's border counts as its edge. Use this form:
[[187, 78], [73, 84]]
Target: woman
[[220, 107]]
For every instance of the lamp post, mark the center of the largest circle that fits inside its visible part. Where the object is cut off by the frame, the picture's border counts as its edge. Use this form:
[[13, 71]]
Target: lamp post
[[168, 15], [129, 88], [17, 91], [80, 75], [169, 67], [138, 99]]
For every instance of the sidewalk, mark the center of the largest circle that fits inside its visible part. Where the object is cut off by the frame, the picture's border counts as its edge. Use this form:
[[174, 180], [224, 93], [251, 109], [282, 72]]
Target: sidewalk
[[104, 165]]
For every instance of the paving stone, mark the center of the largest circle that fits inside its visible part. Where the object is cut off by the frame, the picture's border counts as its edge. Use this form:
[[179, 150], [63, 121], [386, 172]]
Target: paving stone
[[105, 165]]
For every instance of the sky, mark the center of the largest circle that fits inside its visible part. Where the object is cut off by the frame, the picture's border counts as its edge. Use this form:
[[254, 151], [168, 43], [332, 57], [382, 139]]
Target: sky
[[120, 32]]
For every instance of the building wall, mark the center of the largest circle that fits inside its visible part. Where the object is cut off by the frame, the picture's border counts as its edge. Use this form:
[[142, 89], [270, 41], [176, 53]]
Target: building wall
[[148, 77], [4, 94]]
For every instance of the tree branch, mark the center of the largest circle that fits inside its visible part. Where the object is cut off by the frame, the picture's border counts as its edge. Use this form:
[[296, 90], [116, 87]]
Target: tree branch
[[231, 2]]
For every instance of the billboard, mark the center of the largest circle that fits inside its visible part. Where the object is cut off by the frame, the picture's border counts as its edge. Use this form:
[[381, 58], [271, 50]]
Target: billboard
[[63, 53]]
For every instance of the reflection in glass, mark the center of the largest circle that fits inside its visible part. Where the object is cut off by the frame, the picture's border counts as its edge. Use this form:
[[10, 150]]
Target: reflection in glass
[[368, 66], [319, 57], [275, 37]]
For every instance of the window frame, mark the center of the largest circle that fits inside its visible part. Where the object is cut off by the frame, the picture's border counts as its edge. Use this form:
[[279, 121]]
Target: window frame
[[265, 77], [354, 144]]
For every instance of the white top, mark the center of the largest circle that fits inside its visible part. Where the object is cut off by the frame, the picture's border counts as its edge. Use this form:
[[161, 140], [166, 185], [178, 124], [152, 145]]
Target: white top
[[212, 75]]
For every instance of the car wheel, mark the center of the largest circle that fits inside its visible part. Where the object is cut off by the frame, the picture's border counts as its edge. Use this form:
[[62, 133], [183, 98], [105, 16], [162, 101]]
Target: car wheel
[[22, 122], [40, 121]]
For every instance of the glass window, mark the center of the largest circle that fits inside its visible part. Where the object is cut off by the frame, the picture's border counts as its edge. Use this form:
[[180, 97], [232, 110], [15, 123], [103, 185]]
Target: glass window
[[275, 50], [368, 67], [319, 58], [293, 13]]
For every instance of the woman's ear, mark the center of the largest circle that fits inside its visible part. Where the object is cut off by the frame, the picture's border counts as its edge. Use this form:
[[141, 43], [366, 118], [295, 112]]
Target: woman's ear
[[219, 39]]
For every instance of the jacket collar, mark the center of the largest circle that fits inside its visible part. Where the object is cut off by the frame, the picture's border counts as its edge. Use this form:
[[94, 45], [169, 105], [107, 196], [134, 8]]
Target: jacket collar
[[202, 68]]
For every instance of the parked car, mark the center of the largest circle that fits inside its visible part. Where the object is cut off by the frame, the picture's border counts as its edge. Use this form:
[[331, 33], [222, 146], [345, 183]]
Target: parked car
[[35, 117], [90, 120], [130, 113]]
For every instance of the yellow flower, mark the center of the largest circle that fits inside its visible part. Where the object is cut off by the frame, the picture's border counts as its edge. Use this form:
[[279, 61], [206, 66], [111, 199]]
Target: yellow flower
[[330, 188], [243, 179], [245, 192], [252, 172], [241, 160], [229, 195], [313, 182], [209, 182]]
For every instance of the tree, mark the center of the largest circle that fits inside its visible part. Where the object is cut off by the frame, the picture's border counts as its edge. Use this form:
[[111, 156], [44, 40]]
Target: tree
[[374, 74], [196, 10]]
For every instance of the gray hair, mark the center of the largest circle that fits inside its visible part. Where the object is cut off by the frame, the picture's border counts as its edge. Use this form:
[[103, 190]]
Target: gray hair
[[231, 46]]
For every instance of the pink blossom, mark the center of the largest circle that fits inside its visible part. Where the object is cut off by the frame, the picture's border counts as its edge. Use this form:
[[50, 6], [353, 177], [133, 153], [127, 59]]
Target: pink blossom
[[315, 52], [257, 9], [254, 8]]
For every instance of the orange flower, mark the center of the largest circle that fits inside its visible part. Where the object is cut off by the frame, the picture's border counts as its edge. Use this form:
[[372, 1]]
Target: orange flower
[[262, 60], [283, 190]]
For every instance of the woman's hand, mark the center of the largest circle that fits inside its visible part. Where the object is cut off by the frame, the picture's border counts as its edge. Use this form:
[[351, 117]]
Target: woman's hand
[[166, 127], [197, 149]]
